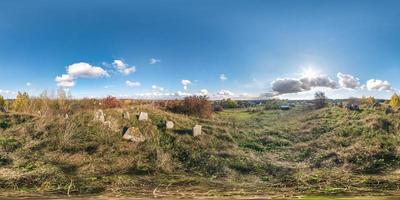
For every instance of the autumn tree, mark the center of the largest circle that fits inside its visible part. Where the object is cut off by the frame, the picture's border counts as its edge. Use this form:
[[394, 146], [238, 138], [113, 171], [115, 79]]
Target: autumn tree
[[394, 101], [2, 103], [21, 102], [368, 100]]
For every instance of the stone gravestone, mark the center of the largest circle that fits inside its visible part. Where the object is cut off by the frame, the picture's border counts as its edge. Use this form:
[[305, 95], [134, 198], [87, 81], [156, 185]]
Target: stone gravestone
[[66, 116], [169, 125], [196, 130], [99, 116], [143, 116], [126, 115], [133, 134]]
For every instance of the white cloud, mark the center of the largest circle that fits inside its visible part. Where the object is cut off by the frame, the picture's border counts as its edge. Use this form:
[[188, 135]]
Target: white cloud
[[182, 94], [348, 81], [225, 93], [223, 77], [76, 70], [123, 68], [65, 81], [153, 61], [157, 88], [83, 69], [132, 83], [293, 85], [185, 84], [28, 84], [203, 91], [379, 85]]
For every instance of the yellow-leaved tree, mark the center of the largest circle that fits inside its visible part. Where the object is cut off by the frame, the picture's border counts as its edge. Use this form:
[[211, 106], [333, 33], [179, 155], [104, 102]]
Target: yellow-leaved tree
[[368, 100], [395, 101], [21, 102], [2, 103]]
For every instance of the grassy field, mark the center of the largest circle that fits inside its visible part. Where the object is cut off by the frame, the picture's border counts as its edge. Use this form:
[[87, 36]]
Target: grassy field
[[326, 151]]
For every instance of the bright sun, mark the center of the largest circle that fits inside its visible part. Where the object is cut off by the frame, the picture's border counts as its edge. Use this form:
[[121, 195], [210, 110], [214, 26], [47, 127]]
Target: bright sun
[[309, 73]]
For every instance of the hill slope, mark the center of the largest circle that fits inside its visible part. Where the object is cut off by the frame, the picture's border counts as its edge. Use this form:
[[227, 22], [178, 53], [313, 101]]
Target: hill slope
[[327, 150]]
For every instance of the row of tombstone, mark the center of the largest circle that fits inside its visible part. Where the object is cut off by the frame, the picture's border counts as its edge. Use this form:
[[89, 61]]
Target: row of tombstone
[[133, 134]]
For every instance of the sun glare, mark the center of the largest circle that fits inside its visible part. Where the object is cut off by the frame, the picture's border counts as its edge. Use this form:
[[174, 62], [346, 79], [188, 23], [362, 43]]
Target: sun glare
[[309, 73]]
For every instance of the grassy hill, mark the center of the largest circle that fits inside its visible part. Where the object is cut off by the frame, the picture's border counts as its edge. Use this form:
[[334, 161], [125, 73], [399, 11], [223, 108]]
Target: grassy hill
[[328, 150]]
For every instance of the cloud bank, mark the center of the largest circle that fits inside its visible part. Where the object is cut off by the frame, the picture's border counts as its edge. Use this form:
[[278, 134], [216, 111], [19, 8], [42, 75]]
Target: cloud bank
[[379, 85], [348, 81], [293, 85]]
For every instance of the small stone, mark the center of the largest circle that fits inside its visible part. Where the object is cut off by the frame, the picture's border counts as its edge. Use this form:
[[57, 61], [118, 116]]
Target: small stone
[[196, 130], [66, 116], [133, 134], [126, 115], [169, 125], [143, 116], [99, 116]]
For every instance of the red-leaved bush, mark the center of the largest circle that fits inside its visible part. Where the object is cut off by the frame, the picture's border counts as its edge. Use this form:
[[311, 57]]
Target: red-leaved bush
[[198, 106], [111, 102]]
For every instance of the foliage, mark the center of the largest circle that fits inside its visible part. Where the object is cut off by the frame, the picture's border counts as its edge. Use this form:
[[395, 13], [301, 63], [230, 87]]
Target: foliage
[[2, 103], [272, 104], [369, 101], [198, 106], [229, 103], [394, 101], [319, 100], [21, 102], [111, 102]]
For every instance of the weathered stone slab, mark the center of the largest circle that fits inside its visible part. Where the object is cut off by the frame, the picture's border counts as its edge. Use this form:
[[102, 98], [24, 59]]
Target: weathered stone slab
[[99, 116], [169, 125], [143, 116], [196, 130], [133, 134], [126, 115]]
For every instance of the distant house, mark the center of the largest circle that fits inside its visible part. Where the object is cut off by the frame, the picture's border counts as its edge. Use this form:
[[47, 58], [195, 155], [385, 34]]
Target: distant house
[[285, 107]]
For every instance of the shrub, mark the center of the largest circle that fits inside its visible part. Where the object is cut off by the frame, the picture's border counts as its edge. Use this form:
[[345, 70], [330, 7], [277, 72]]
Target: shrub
[[21, 102], [273, 104], [111, 102], [198, 106], [319, 100], [229, 103], [2, 103], [395, 101], [369, 101], [218, 108]]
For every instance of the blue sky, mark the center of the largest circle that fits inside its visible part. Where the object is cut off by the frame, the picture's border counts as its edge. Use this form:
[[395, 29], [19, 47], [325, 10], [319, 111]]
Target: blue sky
[[239, 49]]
